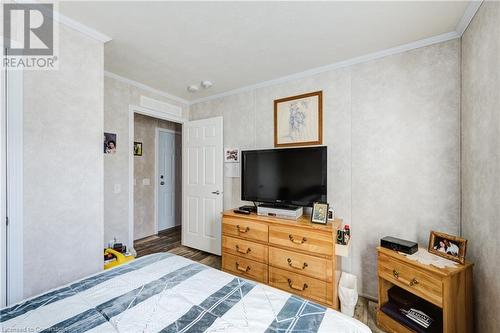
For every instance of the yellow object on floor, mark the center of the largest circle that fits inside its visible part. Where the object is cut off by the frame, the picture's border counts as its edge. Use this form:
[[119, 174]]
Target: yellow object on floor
[[120, 258]]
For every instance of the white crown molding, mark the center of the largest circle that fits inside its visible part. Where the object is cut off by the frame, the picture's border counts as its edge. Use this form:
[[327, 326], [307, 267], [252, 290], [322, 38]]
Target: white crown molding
[[69, 22], [372, 56], [80, 27], [469, 14], [145, 87]]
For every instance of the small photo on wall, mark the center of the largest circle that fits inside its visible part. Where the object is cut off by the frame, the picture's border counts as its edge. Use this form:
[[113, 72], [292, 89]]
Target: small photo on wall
[[109, 143], [232, 155], [137, 148]]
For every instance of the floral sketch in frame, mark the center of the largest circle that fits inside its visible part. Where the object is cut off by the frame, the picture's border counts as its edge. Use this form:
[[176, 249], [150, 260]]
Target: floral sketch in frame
[[298, 120]]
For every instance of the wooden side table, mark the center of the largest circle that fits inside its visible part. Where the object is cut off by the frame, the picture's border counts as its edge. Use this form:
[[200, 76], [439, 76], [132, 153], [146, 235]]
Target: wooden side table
[[450, 289]]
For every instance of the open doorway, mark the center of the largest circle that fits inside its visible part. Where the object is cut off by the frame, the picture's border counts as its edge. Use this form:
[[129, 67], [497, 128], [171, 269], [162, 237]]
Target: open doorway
[[157, 177]]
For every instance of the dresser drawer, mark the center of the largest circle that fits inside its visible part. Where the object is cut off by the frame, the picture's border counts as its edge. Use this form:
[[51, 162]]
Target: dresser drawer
[[245, 229], [315, 267], [298, 284], [244, 267], [417, 281], [244, 248], [302, 239]]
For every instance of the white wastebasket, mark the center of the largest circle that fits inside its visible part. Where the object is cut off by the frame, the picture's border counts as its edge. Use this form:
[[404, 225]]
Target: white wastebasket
[[348, 293]]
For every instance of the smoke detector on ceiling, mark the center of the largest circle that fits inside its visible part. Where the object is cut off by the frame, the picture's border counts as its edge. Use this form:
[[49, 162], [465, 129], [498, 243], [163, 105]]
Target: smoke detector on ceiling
[[206, 84]]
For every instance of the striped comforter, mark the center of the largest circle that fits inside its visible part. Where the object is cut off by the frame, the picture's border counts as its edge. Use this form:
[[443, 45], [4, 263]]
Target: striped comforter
[[167, 293]]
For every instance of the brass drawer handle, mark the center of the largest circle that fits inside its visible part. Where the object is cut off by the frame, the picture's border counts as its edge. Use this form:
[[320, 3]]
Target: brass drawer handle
[[295, 241], [413, 282], [241, 251], [247, 229], [395, 273], [245, 270], [290, 263], [290, 284]]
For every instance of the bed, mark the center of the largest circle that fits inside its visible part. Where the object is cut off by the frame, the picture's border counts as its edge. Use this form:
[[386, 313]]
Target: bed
[[167, 293]]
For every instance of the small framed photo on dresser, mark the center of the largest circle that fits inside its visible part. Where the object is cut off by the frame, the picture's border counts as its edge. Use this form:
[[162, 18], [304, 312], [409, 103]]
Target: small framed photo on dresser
[[319, 213]]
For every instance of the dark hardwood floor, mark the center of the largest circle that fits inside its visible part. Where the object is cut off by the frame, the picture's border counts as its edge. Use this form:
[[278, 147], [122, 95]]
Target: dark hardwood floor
[[170, 241]]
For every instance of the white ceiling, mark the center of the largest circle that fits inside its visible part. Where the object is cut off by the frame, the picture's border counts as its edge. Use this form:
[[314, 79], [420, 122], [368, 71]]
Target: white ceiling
[[169, 45]]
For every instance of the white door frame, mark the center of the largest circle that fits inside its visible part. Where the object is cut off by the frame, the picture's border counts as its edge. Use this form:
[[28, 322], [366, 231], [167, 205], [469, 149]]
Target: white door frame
[[157, 175], [151, 113], [3, 185], [11, 276]]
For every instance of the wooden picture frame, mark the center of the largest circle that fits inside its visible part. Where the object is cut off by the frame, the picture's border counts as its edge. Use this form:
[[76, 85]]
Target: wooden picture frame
[[443, 249], [298, 120], [319, 213]]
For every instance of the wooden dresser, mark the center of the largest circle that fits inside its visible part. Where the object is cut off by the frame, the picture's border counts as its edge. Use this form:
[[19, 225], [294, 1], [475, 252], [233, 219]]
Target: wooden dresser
[[295, 256], [448, 288]]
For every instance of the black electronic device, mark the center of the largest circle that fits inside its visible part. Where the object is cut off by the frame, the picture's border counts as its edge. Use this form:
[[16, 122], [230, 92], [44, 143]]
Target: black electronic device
[[291, 176], [241, 211], [400, 245], [251, 209]]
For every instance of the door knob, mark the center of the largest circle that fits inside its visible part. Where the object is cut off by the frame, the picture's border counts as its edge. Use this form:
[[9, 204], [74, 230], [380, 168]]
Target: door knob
[[216, 192]]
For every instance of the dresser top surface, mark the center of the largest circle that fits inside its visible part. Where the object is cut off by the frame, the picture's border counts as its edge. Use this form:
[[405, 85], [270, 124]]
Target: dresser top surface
[[440, 271], [304, 221]]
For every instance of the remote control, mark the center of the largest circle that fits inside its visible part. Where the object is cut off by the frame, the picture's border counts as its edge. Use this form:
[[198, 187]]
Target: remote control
[[240, 211]]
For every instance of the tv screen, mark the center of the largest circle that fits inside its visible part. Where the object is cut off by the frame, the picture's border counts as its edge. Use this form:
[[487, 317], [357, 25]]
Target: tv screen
[[295, 176]]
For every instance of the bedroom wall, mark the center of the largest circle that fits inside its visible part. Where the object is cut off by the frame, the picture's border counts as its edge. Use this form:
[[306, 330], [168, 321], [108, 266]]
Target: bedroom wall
[[481, 160], [63, 166], [392, 130], [118, 96], [144, 168]]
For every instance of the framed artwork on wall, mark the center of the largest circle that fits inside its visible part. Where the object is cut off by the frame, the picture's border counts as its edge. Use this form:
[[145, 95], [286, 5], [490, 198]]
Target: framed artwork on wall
[[231, 155], [109, 143], [137, 148], [298, 120]]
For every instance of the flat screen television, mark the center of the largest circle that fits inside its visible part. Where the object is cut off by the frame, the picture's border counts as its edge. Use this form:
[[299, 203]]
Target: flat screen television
[[295, 176]]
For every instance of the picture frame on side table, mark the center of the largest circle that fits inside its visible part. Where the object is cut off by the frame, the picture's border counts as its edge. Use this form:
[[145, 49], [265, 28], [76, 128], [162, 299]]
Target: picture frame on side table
[[319, 213], [447, 246]]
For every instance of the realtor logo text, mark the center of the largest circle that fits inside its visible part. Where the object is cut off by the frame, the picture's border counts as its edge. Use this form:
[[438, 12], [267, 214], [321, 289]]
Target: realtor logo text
[[28, 36]]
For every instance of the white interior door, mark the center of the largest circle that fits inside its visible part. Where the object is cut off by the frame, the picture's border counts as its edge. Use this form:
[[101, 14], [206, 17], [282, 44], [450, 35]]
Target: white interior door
[[202, 195], [166, 180]]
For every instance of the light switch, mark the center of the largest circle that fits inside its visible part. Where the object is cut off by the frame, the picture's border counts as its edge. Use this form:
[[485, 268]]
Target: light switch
[[146, 182], [232, 170], [117, 188]]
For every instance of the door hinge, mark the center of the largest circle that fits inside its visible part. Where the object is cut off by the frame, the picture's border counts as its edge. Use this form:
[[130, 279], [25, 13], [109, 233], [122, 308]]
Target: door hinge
[[7, 220]]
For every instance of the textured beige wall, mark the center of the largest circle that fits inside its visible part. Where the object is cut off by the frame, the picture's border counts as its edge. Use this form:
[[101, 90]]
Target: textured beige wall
[[63, 166], [481, 160], [392, 130], [144, 168], [118, 96]]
